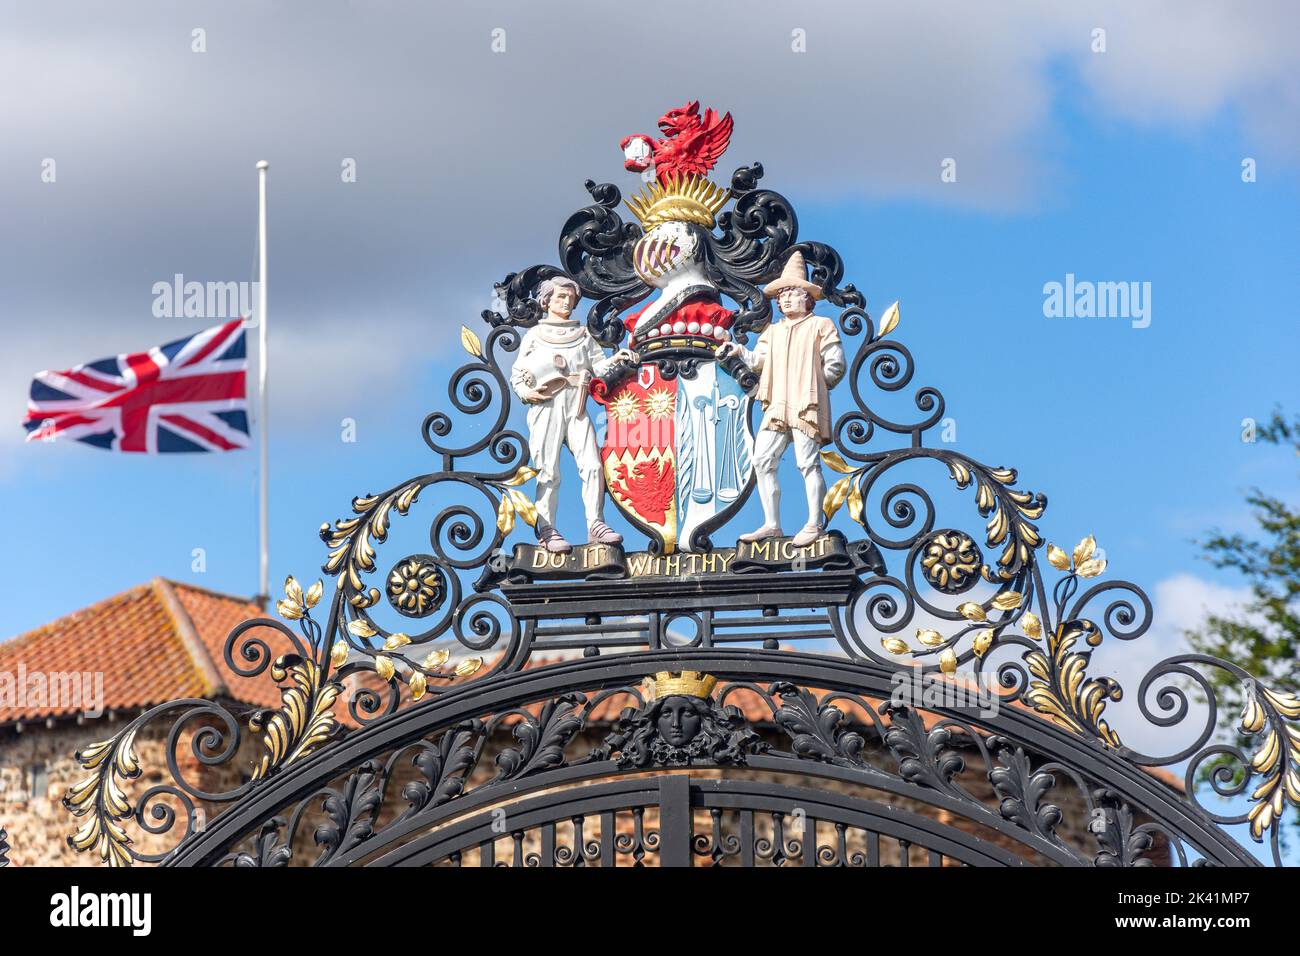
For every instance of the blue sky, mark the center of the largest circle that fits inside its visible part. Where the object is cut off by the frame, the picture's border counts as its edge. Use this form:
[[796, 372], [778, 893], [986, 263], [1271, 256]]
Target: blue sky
[[1119, 169]]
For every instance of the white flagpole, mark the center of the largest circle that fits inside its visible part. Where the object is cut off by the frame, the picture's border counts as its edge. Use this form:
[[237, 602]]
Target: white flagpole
[[264, 533]]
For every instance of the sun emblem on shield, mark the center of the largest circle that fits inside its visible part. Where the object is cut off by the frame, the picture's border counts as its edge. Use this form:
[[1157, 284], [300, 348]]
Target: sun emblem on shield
[[659, 403], [623, 409]]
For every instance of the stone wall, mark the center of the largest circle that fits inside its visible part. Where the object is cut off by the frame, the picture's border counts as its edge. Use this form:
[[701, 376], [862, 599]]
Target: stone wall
[[39, 826]]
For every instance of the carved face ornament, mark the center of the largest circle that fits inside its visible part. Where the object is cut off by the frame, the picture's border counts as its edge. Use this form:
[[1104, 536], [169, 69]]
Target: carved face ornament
[[679, 721]]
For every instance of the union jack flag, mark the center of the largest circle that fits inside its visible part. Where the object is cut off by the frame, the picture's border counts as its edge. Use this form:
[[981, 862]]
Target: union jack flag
[[187, 395]]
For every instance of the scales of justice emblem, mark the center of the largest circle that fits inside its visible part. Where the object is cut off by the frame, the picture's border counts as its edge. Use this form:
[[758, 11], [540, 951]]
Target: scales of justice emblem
[[694, 419]]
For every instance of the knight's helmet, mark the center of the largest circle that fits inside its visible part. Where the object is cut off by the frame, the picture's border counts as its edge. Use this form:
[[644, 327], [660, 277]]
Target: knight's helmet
[[667, 212]]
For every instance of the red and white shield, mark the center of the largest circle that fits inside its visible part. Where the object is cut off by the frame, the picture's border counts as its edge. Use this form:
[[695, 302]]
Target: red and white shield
[[678, 452], [638, 453]]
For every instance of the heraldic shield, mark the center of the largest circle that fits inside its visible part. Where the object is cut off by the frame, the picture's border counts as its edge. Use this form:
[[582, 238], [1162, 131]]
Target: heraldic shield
[[678, 452]]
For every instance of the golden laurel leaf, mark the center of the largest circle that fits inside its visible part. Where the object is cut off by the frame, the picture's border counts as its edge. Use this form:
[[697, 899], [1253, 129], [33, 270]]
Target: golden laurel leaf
[[418, 685], [468, 666], [983, 641], [1058, 558], [1032, 625], [505, 515], [339, 653], [469, 341], [523, 507], [1091, 568], [836, 497], [288, 609], [1083, 550], [314, 593], [948, 661], [395, 641], [928, 637], [972, 611], [384, 668], [1286, 703], [437, 658], [895, 645], [889, 320], [522, 476], [361, 628], [855, 502], [837, 463], [1007, 600], [1252, 716], [1266, 757]]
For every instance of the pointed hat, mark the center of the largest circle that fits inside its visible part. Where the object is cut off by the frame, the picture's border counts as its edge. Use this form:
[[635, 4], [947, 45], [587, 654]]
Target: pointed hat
[[793, 276]]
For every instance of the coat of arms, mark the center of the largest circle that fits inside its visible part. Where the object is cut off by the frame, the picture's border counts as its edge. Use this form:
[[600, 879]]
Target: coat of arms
[[696, 415]]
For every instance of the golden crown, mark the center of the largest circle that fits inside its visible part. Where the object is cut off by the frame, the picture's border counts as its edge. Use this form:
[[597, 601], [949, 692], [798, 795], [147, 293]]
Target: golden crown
[[685, 684], [690, 198]]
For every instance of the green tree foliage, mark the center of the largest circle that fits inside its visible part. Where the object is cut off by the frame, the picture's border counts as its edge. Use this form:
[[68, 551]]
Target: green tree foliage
[[1263, 635]]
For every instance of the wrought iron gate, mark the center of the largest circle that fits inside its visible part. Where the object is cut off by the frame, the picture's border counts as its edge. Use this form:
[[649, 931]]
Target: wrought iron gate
[[815, 768], [687, 702]]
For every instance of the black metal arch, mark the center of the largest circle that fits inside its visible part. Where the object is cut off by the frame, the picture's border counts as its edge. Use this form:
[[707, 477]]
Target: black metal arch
[[571, 783]]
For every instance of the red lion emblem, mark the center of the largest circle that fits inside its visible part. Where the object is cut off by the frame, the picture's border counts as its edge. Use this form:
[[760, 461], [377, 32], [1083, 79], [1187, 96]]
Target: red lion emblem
[[649, 488]]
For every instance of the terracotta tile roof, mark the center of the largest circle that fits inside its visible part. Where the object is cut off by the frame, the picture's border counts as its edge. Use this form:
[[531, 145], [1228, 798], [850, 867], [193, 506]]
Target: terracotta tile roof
[[156, 642]]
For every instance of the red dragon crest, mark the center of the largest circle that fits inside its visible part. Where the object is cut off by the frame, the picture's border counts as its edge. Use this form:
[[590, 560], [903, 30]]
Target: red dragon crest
[[692, 144], [650, 485]]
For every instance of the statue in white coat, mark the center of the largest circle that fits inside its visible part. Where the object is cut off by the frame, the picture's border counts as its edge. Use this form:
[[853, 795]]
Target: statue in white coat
[[557, 359]]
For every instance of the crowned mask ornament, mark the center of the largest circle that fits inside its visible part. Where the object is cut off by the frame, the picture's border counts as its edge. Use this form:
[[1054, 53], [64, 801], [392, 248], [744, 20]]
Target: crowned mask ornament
[[679, 724]]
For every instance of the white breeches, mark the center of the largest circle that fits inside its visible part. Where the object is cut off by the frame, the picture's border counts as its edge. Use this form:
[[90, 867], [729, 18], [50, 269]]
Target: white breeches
[[769, 446], [551, 425]]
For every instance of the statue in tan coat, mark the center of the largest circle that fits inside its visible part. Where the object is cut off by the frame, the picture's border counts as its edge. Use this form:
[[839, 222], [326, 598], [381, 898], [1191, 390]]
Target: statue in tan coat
[[799, 360]]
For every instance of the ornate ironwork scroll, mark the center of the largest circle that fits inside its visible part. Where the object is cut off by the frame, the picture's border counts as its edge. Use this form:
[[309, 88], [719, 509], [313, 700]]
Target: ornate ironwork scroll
[[889, 588], [565, 782]]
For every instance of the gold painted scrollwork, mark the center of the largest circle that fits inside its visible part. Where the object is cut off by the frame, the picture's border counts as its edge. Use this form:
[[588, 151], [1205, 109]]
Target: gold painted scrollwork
[[1278, 757], [100, 798]]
